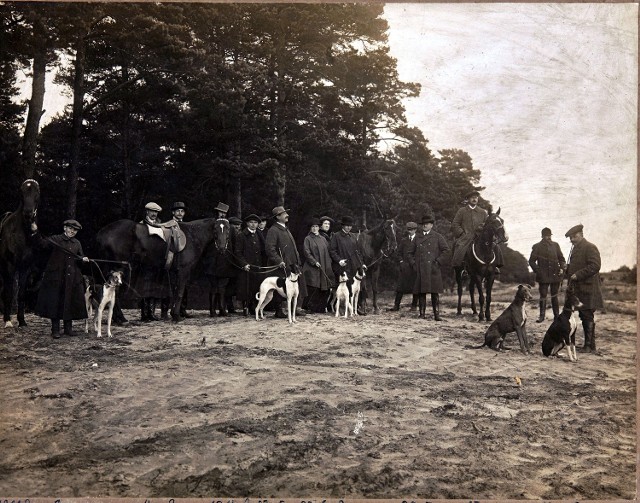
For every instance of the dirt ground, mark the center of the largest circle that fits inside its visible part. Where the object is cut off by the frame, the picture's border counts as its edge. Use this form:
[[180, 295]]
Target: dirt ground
[[384, 406]]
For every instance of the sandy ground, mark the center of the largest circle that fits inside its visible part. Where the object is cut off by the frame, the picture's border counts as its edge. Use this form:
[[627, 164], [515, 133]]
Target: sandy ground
[[385, 406]]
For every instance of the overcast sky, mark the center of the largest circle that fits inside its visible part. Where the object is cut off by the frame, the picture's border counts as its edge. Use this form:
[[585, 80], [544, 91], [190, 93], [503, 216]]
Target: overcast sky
[[543, 97]]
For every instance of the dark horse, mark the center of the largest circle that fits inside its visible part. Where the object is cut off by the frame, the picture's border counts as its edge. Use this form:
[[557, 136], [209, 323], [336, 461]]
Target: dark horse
[[219, 267], [479, 264], [374, 245], [16, 253], [126, 240]]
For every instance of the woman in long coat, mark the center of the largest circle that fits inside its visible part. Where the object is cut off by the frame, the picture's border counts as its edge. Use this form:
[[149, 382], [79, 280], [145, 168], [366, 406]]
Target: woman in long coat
[[249, 251], [61, 294], [317, 269], [425, 255]]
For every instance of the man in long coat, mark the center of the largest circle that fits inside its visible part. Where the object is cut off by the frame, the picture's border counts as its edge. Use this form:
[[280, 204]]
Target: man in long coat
[[281, 250], [425, 256], [61, 294], [548, 263], [345, 256], [317, 271], [406, 276], [583, 269], [250, 251]]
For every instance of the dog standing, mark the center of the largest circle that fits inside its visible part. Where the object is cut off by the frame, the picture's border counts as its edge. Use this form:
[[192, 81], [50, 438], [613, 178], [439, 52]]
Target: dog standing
[[342, 295], [355, 291], [288, 288], [105, 299], [513, 319], [562, 332]]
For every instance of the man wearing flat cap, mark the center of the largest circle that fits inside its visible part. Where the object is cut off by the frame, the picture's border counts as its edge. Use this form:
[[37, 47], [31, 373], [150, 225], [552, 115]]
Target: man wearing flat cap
[[406, 276], [251, 257], [61, 294], [547, 262], [345, 256], [282, 251], [151, 211], [426, 256], [468, 221], [583, 268]]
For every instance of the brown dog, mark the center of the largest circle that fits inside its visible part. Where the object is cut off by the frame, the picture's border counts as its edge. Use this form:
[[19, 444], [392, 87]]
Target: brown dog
[[513, 319]]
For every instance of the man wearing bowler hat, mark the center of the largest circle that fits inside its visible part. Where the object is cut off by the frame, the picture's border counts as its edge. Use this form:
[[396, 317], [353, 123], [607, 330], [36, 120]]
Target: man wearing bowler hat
[[547, 262], [178, 210], [345, 256], [282, 251], [468, 220], [406, 275], [61, 294], [583, 267]]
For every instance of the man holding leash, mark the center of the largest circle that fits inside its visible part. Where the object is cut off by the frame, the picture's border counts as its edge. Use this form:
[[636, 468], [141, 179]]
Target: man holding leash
[[583, 267], [250, 251], [548, 263], [281, 250], [468, 220]]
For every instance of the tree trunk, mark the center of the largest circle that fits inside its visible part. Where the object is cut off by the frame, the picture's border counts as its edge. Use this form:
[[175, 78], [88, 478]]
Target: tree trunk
[[126, 160], [76, 128], [236, 186], [30, 140]]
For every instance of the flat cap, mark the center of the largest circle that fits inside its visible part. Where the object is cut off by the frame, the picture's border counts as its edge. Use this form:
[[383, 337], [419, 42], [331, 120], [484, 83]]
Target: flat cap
[[412, 226], [252, 218], [574, 230], [235, 221], [152, 206], [72, 223], [472, 193]]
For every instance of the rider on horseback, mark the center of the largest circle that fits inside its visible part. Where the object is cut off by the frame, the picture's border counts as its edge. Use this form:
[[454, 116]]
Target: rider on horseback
[[467, 222]]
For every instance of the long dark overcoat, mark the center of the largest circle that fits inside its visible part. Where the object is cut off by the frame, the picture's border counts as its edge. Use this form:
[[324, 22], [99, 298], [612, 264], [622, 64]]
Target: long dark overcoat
[[406, 275], [61, 294], [344, 245], [281, 246], [547, 261], [218, 261], [584, 262], [425, 253], [316, 249], [463, 227], [250, 250]]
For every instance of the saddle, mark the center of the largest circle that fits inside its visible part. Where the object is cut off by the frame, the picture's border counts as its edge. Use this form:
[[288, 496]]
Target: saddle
[[175, 238]]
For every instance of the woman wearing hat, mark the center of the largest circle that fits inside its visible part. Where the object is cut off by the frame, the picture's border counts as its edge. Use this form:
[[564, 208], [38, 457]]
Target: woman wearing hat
[[61, 295], [325, 227], [249, 252], [426, 254], [317, 269]]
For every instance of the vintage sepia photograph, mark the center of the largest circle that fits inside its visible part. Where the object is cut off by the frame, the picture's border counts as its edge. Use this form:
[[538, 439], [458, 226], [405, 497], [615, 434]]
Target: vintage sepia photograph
[[322, 251]]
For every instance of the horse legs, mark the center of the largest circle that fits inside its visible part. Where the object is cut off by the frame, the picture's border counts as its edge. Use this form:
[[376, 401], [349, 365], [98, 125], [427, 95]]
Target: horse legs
[[374, 290], [478, 283], [458, 274], [472, 296], [7, 298], [488, 287]]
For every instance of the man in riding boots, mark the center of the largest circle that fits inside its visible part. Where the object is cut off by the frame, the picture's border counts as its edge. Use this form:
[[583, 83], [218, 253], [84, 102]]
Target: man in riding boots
[[583, 266], [220, 270], [231, 292], [406, 275], [250, 251], [548, 263], [426, 254], [178, 212], [345, 256], [468, 221], [282, 251], [151, 278]]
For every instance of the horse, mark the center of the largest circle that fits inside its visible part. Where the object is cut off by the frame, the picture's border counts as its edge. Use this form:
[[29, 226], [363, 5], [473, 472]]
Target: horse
[[126, 240], [219, 267], [374, 245], [16, 252], [479, 260]]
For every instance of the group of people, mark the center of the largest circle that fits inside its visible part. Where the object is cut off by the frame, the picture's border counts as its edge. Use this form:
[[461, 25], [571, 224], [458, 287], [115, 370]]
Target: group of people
[[257, 251]]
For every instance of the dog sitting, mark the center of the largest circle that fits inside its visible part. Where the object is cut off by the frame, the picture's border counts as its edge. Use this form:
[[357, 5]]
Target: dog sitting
[[562, 332], [342, 295], [513, 319], [355, 290], [288, 288], [103, 298]]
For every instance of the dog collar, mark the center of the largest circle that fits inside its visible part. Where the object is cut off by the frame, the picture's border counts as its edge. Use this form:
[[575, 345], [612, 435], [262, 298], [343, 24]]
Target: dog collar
[[294, 280], [359, 277]]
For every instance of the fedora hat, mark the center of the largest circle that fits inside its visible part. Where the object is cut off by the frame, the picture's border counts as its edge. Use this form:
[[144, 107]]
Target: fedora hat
[[72, 223], [279, 210], [152, 206], [222, 207], [574, 230], [178, 205]]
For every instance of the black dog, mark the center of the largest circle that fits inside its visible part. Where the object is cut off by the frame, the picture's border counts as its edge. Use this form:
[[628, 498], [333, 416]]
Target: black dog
[[562, 331], [513, 319]]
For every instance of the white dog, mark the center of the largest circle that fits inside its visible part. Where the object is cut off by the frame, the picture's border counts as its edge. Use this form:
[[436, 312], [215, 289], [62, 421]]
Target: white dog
[[288, 288], [355, 291], [342, 295], [106, 300]]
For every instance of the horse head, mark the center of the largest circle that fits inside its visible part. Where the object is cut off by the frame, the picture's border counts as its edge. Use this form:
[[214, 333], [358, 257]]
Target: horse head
[[390, 235], [30, 199], [222, 231], [495, 225]]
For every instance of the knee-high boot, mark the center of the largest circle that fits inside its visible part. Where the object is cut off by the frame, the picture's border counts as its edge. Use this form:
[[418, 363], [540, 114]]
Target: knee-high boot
[[543, 308], [414, 302], [589, 344], [396, 302], [55, 328], [435, 303], [422, 305], [555, 306]]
